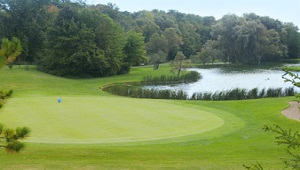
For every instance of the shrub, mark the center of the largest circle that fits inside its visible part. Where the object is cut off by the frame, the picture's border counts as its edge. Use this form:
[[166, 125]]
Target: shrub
[[189, 77], [253, 94], [242, 94], [5, 94], [135, 90]]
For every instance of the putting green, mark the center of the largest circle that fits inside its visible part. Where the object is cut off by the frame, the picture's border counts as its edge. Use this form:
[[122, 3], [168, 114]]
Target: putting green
[[105, 119]]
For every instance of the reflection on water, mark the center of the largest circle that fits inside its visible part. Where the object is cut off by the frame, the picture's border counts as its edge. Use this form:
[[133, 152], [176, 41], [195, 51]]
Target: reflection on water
[[228, 78]]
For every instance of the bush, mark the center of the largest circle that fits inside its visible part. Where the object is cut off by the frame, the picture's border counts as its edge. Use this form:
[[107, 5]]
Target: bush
[[5, 94], [235, 94], [137, 91], [189, 77], [242, 94]]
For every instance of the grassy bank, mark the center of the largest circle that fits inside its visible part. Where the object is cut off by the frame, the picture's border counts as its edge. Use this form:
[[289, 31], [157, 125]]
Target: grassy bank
[[92, 129], [292, 68]]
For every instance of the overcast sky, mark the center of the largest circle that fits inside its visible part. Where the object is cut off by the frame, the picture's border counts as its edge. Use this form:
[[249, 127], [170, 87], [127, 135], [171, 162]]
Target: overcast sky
[[283, 10]]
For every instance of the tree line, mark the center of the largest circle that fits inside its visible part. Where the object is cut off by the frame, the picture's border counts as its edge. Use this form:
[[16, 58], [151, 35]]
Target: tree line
[[74, 39]]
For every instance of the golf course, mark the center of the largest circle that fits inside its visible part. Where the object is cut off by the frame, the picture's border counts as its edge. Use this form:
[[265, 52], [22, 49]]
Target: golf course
[[92, 129]]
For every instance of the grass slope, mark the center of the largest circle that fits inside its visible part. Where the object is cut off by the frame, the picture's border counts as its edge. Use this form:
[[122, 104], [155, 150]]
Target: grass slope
[[211, 135]]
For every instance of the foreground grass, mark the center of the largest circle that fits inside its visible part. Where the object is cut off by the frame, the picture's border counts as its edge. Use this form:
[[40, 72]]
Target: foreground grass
[[240, 140]]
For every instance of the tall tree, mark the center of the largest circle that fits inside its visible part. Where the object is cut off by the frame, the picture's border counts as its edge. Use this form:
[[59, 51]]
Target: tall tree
[[292, 40], [157, 43], [249, 42], [157, 58], [83, 43], [163, 20], [112, 10], [173, 42], [26, 20], [146, 24], [179, 63], [205, 29], [274, 49], [224, 32], [10, 50], [157, 49], [111, 38], [209, 53], [134, 50], [71, 49], [190, 38]]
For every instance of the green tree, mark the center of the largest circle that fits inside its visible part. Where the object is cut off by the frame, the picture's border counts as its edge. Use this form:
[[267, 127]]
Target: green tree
[[274, 50], [249, 42], [83, 43], [206, 28], [157, 43], [190, 38], [111, 38], [179, 63], [134, 49], [274, 45], [71, 49], [10, 138], [209, 53], [157, 58], [224, 32], [292, 40], [10, 50], [28, 21], [146, 24], [112, 10], [157, 49], [124, 18], [164, 20], [204, 57], [173, 42]]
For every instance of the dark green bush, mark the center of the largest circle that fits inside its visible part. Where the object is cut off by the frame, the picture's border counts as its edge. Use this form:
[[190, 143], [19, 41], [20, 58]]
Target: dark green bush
[[253, 94]]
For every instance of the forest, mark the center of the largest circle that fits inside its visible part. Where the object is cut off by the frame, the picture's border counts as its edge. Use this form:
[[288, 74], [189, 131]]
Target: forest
[[75, 39]]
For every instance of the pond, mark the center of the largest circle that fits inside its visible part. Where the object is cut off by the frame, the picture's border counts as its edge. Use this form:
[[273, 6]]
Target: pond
[[228, 78]]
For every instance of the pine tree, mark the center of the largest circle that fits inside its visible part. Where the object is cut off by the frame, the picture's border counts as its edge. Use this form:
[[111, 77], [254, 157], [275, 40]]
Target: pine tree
[[9, 51]]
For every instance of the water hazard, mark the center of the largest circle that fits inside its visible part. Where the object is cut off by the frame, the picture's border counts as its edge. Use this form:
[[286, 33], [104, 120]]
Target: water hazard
[[223, 79]]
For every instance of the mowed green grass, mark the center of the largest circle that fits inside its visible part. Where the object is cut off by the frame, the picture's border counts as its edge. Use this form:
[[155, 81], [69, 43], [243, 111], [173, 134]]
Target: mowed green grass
[[90, 119], [91, 129]]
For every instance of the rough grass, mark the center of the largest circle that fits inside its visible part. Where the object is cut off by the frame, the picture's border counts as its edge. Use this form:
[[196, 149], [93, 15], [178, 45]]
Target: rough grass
[[240, 140]]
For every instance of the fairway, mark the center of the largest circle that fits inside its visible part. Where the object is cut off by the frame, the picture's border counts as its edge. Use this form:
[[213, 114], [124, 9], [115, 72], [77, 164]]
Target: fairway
[[84, 119]]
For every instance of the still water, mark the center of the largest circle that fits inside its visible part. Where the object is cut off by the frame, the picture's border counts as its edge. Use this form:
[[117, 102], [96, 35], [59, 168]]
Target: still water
[[227, 78]]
